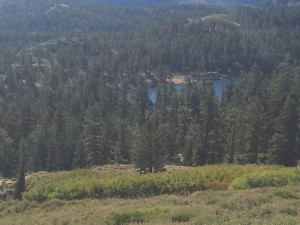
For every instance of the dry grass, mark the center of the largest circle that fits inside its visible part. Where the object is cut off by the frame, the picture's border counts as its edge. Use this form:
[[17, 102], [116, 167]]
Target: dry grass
[[256, 206]]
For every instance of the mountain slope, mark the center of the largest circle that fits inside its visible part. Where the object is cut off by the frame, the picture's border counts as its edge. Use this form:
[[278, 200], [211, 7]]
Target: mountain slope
[[244, 2], [122, 2], [286, 2]]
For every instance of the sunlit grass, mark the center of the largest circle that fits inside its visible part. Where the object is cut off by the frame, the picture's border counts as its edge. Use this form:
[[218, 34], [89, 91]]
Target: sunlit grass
[[219, 194], [80, 184]]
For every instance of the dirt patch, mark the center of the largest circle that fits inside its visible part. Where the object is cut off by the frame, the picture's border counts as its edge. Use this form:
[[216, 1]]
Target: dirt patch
[[7, 186], [124, 168], [177, 79], [175, 167]]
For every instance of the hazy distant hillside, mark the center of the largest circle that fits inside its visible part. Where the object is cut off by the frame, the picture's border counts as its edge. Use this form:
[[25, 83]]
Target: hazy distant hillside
[[149, 2], [246, 2], [123, 2], [286, 2], [61, 16], [162, 2]]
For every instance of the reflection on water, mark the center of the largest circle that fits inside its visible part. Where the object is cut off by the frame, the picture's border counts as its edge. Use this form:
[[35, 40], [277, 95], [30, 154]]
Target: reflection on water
[[219, 86]]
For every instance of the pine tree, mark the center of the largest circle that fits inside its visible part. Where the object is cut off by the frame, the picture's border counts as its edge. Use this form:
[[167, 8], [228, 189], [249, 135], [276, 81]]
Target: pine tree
[[283, 115], [79, 160], [149, 155], [6, 154], [253, 117], [209, 149], [20, 184], [123, 141], [287, 129], [142, 100]]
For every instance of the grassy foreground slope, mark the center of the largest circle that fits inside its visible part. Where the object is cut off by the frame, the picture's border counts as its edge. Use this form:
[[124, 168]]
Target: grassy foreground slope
[[80, 184], [221, 194], [261, 206]]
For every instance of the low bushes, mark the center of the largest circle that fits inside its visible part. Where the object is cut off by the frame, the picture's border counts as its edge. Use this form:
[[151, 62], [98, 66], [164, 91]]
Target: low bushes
[[269, 178], [136, 216], [81, 184], [181, 215], [286, 195]]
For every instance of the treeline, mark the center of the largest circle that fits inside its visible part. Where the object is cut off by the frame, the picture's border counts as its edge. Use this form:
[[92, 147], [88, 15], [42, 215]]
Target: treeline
[[92, 121]]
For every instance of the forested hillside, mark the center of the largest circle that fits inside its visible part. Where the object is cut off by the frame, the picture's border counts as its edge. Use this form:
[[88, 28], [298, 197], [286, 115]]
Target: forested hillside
[[164, 2], [74, 81]]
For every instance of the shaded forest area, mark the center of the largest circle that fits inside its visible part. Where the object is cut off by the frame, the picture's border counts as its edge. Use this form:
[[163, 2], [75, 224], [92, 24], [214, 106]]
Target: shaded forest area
[[74, 81]]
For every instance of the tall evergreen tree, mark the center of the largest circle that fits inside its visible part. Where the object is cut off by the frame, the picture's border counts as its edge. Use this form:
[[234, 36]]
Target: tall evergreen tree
[[20, 185], [6, 154], [149, 155], [285, 139], [142, 100]]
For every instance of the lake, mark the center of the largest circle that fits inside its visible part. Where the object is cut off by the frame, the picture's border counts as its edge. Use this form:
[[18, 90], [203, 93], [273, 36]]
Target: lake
[[218, 84]]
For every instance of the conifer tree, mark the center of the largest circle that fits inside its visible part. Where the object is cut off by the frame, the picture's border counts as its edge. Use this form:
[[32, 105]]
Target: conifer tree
[[142, 100], [20, 184], [149, 155], [6, 154], [287, 129]]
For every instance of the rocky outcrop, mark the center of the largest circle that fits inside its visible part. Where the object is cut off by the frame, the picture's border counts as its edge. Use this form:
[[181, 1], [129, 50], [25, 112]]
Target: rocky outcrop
[[7, 188]]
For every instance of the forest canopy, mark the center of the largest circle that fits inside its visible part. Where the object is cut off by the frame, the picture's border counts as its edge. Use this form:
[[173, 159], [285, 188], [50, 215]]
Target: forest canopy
[[74, 81]]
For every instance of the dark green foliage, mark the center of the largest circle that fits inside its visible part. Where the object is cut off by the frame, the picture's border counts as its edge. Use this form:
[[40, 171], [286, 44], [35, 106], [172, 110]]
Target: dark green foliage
[[6, 154], [181, 216], [288, 128], [149, 149], [283, 113], [142, 100], [20, 184], [74, 83], [204, 139]]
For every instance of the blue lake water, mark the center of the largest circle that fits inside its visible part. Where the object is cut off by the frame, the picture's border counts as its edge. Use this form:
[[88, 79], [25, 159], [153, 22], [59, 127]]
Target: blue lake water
[[218, 84]]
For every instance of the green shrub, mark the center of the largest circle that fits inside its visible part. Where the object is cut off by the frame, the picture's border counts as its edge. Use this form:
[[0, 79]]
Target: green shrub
[[269, 178], [286, 195], [181, 216], [136, 216], [22, 206]]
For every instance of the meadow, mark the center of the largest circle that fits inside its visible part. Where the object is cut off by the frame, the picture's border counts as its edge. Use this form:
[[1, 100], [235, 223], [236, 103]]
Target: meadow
[[81, 184], [220, 194]]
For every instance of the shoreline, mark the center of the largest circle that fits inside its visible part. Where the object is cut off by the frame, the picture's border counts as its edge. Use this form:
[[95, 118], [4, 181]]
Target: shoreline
[[181, 79], [177, 79]]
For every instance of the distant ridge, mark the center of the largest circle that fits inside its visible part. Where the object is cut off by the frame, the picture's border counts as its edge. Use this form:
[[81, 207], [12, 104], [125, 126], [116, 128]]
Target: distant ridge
[[122, 2], [286, 2], [182, 2], [245, 2]]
